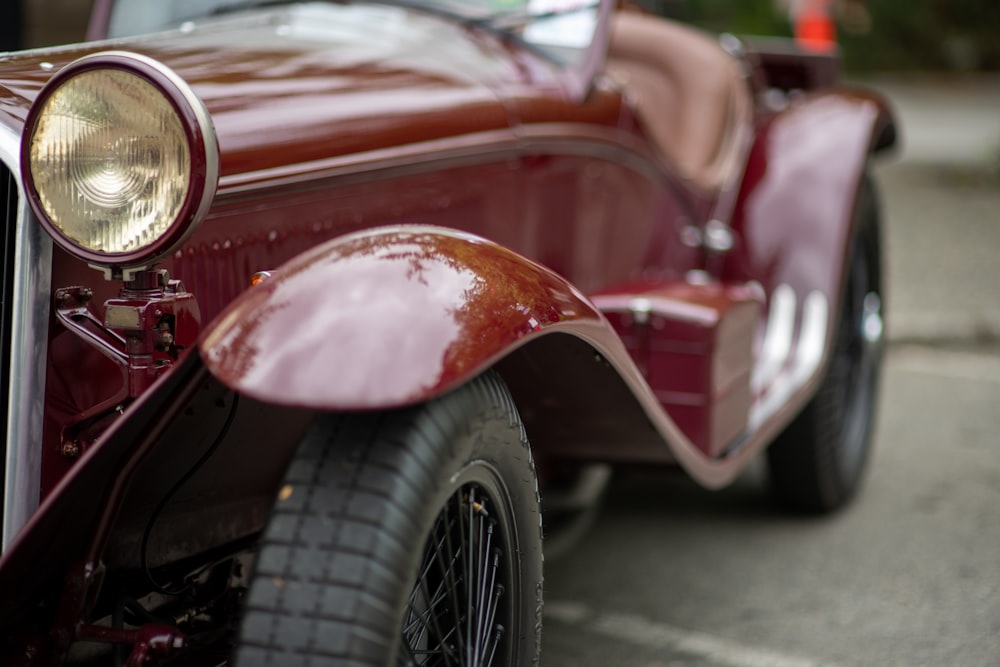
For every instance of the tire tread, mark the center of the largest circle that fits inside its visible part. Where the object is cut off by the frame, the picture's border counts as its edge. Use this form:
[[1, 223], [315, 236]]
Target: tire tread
[[325, 587]]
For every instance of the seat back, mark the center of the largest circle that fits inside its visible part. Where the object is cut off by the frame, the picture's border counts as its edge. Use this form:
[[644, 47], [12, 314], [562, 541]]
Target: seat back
[[689, 94]]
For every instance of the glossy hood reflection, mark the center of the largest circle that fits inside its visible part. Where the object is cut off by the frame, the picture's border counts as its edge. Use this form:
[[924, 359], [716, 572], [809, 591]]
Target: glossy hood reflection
[[323, 80], [384, 318], [309, 82]]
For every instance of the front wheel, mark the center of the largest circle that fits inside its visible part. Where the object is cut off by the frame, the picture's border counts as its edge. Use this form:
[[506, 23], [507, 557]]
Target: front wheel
[[404, 538]]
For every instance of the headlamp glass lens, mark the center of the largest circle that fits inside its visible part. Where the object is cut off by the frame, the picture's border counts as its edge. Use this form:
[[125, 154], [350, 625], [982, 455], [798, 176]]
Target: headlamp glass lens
[[110, 161]]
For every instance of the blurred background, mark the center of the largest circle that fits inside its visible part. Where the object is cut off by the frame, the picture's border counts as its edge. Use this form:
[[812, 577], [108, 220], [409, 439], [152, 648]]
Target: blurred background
[[30, 23], [875, 35]]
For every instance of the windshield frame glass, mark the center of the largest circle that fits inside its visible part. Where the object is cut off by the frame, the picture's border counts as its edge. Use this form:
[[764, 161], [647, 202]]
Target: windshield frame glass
[[572, 34]]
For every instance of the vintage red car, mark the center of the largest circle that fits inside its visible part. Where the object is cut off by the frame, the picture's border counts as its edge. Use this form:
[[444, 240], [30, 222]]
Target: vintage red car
[[288, 287]]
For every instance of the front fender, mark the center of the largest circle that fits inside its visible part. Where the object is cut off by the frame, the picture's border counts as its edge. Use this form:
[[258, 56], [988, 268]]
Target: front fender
[[386, 317]]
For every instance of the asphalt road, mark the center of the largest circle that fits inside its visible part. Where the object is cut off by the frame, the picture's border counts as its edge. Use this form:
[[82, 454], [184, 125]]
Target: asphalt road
[[909, 574]]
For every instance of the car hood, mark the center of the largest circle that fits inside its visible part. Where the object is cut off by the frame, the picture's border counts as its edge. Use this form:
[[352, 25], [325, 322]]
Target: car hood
[[312, 82]]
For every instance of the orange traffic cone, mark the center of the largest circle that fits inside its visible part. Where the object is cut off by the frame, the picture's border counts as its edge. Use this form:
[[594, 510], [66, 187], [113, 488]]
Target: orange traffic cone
[[814, 27]]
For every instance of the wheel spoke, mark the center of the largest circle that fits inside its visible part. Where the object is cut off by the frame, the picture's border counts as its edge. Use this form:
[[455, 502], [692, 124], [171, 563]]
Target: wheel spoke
[[420, 619], [451, 614], [408, 651], [480, 587], [496, 642], [470, 576], [455, 554], [492, 604], [422, 632], [485, 622]]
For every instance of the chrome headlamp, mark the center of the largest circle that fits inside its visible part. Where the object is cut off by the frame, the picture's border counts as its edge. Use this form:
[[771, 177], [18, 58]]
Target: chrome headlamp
[[120, 160]]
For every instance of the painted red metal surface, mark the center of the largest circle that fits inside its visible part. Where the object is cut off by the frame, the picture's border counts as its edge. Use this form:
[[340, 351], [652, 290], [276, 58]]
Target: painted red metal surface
[[589, 198], [793, 218], [385, 318], [323, 93], [572, 186], [694, 344]]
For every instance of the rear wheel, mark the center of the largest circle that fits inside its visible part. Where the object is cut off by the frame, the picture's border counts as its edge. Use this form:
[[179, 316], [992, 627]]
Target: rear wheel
[[403, 538], [817, 464]]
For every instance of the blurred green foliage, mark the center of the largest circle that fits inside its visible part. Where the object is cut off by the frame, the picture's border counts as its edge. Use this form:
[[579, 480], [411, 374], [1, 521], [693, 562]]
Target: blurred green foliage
[[874, 35], [927, 34], [749, 17]]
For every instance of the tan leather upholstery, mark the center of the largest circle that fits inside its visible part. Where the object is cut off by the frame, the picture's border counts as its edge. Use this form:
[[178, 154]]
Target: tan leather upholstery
[[689, 94]]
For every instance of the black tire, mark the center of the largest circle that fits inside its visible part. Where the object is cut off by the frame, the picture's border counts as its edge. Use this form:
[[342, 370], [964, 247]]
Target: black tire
[[370, 526], [817, 464]]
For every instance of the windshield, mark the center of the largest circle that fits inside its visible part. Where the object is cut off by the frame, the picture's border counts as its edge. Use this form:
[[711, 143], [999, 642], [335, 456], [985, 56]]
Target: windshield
[[560, 29]]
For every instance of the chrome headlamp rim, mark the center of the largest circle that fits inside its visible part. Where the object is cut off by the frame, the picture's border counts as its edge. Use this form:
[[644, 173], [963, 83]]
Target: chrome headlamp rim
[[198, 130]]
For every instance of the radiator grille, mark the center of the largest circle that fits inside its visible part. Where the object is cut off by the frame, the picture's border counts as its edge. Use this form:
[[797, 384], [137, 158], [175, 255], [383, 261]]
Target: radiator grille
[[8, 224]]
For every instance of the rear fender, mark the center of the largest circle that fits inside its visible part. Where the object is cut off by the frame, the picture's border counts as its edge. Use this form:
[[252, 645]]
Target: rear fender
[[387, 317], [795, 210], [793, 224]]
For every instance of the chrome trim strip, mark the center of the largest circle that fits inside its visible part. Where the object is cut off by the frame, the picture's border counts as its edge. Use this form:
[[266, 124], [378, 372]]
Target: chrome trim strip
[[777, 338], [812, 336], [805, 362], [29, 336]]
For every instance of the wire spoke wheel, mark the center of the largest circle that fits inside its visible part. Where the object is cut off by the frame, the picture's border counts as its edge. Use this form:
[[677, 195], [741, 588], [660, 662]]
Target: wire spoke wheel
[[456, 612]]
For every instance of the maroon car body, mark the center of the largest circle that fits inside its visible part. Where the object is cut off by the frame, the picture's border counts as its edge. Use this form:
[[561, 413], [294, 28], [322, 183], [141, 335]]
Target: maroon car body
[[433, 199]]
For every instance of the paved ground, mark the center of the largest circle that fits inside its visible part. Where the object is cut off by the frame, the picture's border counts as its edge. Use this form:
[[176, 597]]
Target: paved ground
[[941, 204], [674, 576]]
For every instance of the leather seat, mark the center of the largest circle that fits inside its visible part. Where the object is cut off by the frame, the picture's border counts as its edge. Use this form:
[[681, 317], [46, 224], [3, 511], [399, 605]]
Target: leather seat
[[689, 94]]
